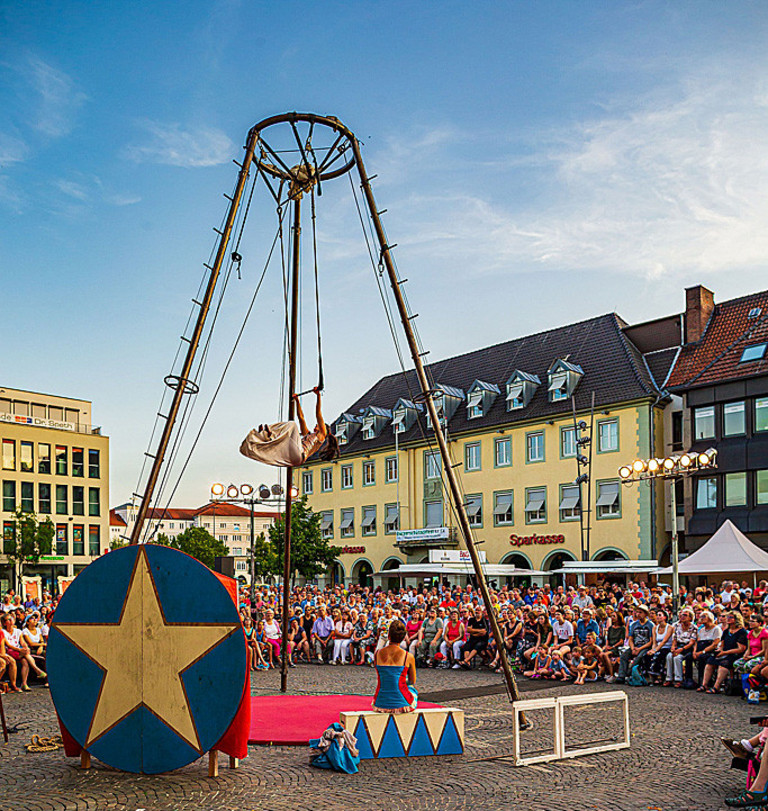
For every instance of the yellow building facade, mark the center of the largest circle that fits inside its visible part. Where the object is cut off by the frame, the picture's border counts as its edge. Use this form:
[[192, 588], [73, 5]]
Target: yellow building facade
[[54, 463], [516, 460]]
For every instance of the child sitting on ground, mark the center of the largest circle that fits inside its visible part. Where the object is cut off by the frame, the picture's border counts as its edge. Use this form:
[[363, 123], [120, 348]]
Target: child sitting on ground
[[586, 670], [558, 668]]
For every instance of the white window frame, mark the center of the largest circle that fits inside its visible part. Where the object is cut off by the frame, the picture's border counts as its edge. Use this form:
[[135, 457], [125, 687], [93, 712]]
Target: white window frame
[[389, 463], [505, 441], [369, 473], [538, 516], [391, 527], [569, 513], [426, 512], [327, 533], [369, 427], [475, 404], [347, 516], [371, 529], [306, 477], [568, 430], [326, 480], [470, 449], [600, 426], [612, 510], [433, 465], [509, 513], [474, 509], [528, 437], [347, 477]]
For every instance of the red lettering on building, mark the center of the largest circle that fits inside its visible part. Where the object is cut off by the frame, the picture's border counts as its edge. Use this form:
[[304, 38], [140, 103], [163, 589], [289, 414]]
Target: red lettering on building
[[352, 550], [528, 540]]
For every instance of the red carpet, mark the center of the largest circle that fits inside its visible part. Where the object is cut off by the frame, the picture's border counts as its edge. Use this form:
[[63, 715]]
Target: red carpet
[[293, 720]]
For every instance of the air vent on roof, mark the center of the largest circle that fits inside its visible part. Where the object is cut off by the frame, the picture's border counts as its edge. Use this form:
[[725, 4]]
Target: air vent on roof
[[755, 312]]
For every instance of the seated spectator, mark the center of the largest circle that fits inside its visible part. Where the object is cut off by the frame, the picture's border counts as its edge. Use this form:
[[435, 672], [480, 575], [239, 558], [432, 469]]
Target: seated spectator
[[8, 663], [587, 668], [453, 639], [297, 643], [542, 665], [605, 665], [638, 643], [272, 633], [757, 646], [478, 631], [19, 651], [362, 636], [396, 670], [322, 635], [412, 628], [430, 637], [342, 637], [662, 644], [730, 647], [563, 633], [708, 636], [558, 667], [33, 637], [586, 624]]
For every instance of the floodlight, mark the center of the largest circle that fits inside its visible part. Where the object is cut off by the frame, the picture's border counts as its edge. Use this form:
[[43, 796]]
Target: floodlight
[[653, 465], [625, 472], [669, 463], [583, 479], [582, 426], [686, 460], [264, 491], [232, 491], [582, 460], [246, 489], [638, 465], [294, 492], [277, 490], [708, 457], [217, 489]]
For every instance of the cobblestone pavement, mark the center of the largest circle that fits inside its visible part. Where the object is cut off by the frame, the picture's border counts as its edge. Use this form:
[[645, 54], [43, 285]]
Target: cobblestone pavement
[[675, 761]]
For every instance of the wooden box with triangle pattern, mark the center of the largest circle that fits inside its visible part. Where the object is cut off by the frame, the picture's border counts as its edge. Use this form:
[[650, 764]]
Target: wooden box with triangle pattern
[[432, 731]]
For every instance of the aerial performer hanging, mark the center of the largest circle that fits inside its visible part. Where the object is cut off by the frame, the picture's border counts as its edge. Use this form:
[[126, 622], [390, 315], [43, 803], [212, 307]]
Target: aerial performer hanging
[[285, 444]]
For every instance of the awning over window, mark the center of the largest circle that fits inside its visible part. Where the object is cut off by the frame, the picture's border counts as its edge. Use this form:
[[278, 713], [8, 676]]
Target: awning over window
[[341, 431], [399, 418], [473, 508], [503, 504], [570, 500], [326, 521], [609, 495], [535, 501], [393, 513], [475, 398], [369, 519], [347, 521], [558, 381], [515, 391]]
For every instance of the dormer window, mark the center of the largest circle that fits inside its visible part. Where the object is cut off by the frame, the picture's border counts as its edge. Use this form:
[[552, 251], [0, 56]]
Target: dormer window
[[520, 390], [475, 404], [345, 428], [374, 420], [446, 400], [563, 379], [404, 416], [480, 398]]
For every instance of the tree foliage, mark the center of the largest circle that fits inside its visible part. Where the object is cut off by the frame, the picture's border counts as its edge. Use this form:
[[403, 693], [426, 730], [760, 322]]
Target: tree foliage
[[266, 561], [28, 540], [197, 542], [311, 554]]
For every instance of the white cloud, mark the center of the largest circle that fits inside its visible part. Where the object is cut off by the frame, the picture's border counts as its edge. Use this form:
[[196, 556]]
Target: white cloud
[[57, 99], [12, 150], [72, 189], [172, 145], [672, 183]]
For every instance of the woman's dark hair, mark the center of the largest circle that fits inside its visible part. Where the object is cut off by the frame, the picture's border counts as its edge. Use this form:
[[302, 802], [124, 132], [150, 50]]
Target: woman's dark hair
[[396, 632], [330, 449]]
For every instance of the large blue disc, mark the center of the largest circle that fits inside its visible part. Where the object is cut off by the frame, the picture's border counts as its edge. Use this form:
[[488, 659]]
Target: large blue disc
[[146, 659]]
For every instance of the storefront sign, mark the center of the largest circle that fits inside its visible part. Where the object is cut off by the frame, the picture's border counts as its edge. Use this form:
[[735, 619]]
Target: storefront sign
[[352, 550], [426, 534], [453, 556], [49, 559], [527, 540], [38, 422]]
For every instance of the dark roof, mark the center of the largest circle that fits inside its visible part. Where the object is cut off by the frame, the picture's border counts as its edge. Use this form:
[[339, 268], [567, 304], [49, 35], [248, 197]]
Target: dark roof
[[660, 364], [715, 357], [613, 369]]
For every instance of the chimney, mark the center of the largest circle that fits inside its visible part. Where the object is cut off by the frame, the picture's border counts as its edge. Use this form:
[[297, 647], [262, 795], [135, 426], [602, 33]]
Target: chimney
[[699, 304]]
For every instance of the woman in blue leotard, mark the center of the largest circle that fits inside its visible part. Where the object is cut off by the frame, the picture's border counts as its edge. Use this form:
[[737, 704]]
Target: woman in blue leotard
[[396, 671]]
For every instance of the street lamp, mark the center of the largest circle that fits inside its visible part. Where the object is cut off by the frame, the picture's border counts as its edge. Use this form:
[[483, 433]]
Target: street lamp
[[670, 467], [244, 494]]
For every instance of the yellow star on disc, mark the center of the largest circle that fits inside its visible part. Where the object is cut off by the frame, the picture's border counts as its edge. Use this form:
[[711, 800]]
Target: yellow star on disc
[[143, 658]]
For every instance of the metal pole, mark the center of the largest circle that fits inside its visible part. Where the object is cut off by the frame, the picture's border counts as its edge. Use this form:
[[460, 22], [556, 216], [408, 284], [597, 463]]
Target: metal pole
[[253, 558], [291, 414], [675, 550], [194, 340], [453, 483], [589, 476]]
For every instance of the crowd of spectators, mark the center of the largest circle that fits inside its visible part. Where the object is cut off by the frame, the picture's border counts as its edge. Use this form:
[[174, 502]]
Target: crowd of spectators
[[624, 634]]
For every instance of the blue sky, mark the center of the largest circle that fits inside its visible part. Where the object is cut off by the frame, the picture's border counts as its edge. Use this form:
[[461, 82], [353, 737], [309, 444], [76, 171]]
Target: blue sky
[[540, 163]]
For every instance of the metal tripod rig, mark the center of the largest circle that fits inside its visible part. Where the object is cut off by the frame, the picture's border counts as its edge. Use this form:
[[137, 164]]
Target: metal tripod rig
[[338, 154]]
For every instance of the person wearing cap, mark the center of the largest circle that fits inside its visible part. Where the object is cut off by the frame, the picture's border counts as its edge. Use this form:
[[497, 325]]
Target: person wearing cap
[[582, 600], [637, 644], [586, 624]]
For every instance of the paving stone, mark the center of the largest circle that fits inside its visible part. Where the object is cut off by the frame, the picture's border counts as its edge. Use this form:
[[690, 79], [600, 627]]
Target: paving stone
[[675, 763]]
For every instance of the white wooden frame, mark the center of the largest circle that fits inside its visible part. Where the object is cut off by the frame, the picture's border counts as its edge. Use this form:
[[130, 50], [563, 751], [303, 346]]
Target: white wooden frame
[[558, 705]]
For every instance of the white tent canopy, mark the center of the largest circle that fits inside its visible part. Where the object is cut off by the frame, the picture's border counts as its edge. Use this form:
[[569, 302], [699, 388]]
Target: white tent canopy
[[728, 550]]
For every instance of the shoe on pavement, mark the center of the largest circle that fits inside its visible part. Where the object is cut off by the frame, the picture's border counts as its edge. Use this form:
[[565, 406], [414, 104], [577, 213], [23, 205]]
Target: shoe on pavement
[[457, 666]]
